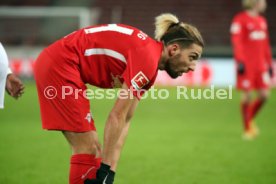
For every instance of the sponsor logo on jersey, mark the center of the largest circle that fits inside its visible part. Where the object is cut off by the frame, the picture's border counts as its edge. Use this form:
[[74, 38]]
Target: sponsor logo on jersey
[[257, 35], [88, 117], [246, 83], [139, 81]]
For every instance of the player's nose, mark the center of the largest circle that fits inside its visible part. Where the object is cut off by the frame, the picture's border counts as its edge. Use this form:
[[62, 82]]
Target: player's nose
[[192, 68]]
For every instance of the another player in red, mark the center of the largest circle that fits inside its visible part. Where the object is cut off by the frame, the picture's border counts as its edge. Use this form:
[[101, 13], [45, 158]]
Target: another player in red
[[252, 53], [107, 56]]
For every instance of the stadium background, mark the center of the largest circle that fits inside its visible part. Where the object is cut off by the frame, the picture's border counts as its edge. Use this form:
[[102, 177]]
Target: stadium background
[[171, 141]]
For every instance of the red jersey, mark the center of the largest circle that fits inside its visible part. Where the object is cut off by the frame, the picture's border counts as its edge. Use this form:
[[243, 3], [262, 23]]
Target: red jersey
[[250, 41], [108, 55]]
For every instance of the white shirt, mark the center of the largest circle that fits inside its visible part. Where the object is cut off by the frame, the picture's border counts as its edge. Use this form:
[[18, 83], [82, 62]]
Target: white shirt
[[4, 71]]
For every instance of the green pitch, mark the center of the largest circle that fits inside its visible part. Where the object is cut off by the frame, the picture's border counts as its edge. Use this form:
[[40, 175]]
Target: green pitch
[[170, 142]]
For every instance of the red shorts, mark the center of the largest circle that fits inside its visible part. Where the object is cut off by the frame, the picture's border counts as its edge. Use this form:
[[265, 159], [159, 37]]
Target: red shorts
[[61, 110], [253, 81]]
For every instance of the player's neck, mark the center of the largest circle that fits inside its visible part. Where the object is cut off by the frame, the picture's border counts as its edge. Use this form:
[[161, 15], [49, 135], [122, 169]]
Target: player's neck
[[162, 63], [163, 59], [252, 13]]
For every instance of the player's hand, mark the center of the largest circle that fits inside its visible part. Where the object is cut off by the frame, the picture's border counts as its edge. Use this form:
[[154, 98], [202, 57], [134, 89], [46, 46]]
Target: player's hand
[[241, 68], [14, 86], [270, 71], [104, 176]]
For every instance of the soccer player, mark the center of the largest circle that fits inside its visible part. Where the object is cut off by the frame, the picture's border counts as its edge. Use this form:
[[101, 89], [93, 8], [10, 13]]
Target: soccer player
[[107, 56], [8, 80], [252, 53]]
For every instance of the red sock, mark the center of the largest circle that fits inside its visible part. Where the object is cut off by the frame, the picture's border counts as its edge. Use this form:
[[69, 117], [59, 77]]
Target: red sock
[[245, 109], [255, 107], [83, 166]]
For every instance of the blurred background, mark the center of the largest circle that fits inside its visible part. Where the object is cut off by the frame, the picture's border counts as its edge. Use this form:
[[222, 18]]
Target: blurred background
[[26, 26], [171, 141]]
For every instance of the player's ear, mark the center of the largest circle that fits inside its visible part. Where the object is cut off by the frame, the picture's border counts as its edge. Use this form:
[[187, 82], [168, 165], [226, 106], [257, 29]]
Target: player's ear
[[173, 49]]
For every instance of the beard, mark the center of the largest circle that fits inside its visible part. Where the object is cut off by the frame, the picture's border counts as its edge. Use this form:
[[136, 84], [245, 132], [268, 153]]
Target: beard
[[171, 72], [169, 67]]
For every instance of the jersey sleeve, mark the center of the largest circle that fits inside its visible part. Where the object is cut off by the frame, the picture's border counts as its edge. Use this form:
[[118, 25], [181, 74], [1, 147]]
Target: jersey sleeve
[[237, 35], [141, 71]]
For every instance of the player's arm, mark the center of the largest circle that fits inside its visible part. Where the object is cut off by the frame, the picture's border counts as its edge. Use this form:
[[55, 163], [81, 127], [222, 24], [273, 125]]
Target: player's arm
[[115, 132], [116, 122], [120, 143], [237, 43]]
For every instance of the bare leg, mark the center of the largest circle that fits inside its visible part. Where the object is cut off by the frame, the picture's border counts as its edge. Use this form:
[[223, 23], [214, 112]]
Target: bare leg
[[84, 143], [86, 153], [262, 96], [245, 108]]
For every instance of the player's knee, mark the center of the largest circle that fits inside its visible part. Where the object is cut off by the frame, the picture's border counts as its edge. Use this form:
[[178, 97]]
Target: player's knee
[[264, 96], [86, 147], [83, 143], [246, 98]]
